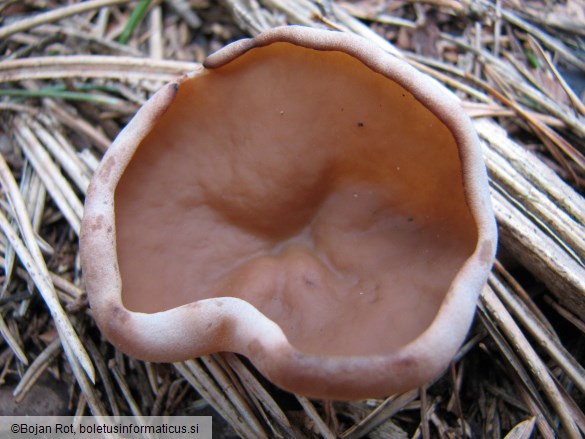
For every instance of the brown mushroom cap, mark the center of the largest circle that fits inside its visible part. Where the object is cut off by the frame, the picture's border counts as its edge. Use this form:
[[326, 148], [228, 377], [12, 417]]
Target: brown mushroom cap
[[306, 200]]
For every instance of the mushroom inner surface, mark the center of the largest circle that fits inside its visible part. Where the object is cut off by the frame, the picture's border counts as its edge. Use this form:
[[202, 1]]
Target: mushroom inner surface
[[318, 190]]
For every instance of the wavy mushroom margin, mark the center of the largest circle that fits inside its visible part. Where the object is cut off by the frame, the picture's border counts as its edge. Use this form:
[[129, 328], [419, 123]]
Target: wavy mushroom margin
[[232, 324]]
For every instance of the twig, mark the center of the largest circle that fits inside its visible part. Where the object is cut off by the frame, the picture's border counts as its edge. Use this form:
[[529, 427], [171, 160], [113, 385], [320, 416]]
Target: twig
[[56, 14], [525, 350], [37, 367], [93, 66], [324, 430], [12, 342], [31, 257]]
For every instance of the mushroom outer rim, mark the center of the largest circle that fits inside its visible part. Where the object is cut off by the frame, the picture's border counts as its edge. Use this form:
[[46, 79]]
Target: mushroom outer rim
[[231, 324]]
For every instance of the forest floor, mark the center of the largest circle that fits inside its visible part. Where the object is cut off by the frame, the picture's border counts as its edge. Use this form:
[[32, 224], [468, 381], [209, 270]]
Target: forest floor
[[73, 73]]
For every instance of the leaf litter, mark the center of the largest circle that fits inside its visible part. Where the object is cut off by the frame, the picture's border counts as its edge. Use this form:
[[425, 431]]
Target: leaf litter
[[71, 76]]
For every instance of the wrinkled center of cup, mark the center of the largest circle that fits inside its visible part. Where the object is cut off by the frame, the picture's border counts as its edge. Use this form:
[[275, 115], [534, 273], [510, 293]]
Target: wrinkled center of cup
[[303, 182]]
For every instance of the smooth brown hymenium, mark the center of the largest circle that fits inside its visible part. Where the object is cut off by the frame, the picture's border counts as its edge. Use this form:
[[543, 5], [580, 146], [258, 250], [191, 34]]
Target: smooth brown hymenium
[[306, 200]]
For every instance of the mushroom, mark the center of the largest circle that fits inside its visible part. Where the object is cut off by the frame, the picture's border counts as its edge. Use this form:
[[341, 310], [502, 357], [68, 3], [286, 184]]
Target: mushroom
[[306, 200]]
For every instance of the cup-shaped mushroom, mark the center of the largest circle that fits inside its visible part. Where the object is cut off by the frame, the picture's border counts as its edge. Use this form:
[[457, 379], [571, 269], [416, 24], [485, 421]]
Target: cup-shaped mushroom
[[306, 200]]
